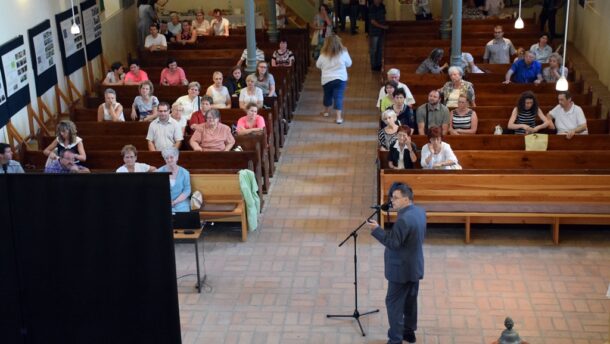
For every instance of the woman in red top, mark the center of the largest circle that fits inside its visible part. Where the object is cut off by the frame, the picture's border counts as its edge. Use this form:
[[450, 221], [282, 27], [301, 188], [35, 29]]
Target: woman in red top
[[252, 122], [198, 118]]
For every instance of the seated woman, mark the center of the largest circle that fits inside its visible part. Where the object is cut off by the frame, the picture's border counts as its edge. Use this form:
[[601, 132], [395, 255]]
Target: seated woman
[[259, 56], [388, 100], [523, 118], [219, 93], [387, 134], [177, 115], [468, 64], [431, 64], [116, 76], [438, 154], [457, 86], [235, 82], [130, 156], [110, 110], [402, 152], [542, 50], [174, 26], [403, 111], [198, 117], [145, 105], [135, 76], [553, 71], [520, 54], [66, 140], [282, 56], [200, 24], [179, 180], [251, 94], [463, 119], [188, 35], [252, 122], [172, 75], [264, 79], [213, 136], [190, 102]]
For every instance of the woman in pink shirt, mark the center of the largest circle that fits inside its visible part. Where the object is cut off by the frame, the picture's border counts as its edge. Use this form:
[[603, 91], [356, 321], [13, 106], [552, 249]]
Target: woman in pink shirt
[[252, 122], [172, 75], [213, 136], [135, 76]]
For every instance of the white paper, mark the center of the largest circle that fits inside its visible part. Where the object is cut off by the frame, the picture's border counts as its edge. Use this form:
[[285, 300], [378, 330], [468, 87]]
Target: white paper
[[2, 93], [72, 43], [44, 51], [608, 293], [92, 24], [15, 70]]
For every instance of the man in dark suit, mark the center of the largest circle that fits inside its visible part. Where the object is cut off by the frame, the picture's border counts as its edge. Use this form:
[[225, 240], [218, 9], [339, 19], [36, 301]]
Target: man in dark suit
[[404, 263]]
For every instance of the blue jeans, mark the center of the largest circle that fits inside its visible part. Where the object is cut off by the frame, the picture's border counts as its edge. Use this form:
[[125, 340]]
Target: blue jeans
[[375, 50], [333, 93]]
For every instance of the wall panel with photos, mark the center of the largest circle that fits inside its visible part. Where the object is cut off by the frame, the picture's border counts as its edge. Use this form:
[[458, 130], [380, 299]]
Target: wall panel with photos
[[71, 46], [14, 65], [43, 54]]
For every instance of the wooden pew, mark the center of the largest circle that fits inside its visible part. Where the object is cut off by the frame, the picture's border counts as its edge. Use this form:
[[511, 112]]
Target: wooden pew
[[222, 189], [505, 197], [508, 99]]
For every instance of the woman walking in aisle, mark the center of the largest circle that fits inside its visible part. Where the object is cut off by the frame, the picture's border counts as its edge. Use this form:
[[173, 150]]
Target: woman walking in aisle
[[333, 62]]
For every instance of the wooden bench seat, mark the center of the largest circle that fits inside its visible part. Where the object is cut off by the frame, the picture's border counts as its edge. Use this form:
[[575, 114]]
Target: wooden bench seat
[[552, 199], [517, 142], [486, 99], [222, 189]]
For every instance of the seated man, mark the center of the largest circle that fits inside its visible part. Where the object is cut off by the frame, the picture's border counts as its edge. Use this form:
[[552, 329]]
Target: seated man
[[525, 71], [65, 164], [569, 117], [432, 114], [164, 131], [260, 56], [394, 75], [219, 25], [155, 41], [164, 30], [6, 160], [213, 136]]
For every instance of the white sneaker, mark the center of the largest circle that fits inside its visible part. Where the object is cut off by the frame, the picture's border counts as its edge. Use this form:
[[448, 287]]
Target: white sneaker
[[325, 114], [340, 121]]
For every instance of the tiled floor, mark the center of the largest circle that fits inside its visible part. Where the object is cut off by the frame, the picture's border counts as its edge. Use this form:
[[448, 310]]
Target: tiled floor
[[279, 286]]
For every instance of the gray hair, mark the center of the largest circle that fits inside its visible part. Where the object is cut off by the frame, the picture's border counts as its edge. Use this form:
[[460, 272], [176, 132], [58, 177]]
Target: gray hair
[[557, 57], [170, 151], [195, 84], [109, 91], [388, 113], [456, 69], [394, 71]]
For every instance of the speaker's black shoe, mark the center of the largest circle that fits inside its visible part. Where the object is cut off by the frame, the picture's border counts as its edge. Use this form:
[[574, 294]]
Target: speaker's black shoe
[[409, 337]]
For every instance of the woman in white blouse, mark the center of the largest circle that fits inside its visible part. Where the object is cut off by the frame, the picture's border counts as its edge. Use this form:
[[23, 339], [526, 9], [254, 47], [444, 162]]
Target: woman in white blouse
[[190, 102], [130, 155], [438, 154], [200, 24], [110, 110], [218, 92], [251, 93]]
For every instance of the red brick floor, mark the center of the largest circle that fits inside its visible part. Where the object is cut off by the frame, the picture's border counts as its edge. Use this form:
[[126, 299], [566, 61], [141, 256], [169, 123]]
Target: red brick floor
[[279, 285]]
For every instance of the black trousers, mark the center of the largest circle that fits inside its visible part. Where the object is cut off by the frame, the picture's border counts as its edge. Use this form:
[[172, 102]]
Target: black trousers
[[549, 16], [401, 303]]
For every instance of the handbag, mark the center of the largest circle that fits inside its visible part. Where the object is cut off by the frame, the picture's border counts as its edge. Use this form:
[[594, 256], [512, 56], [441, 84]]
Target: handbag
[[315, 39], [536, 142]]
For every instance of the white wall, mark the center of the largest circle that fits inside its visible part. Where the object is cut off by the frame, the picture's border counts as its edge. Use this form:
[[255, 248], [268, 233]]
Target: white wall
[[19, 16], [591, 28]]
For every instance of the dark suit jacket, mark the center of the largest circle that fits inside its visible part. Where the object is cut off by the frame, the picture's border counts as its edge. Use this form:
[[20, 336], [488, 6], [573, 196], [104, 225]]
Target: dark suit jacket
[[404, 254]]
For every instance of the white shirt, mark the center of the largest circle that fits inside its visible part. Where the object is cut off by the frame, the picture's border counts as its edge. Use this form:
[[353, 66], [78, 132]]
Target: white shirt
[[568, 120], [445, 154], [138, 168], [107, 116], [159, 40], [219, 27], [219, 96], [203, 28], [260, 55], [246, 97], [410, 100], [334, 68], [466, 60], [188, 106]]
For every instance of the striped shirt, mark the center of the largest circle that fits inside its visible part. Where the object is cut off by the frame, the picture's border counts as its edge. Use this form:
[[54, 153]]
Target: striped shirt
[[461, 122], [527, 117]]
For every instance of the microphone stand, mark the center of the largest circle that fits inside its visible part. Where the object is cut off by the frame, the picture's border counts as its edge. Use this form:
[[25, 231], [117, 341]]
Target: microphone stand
[[356, 315]]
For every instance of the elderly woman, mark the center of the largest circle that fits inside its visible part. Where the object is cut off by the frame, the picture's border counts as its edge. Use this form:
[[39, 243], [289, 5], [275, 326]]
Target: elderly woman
[[235, 82], [388, 100], [200, 24], [387, 134], [252, 122], [190, 102], [402, 151], [431, 64], [452, 89], [116, 75], [523, 118], [213, 136], [66, 140], [130, 156], [177, 115], [251, 94], [438, 154], [219, 93], [144, 107], [542, 50], [463, 119], [403, 111], [135, 76], [553, 71], [282, 56], [264, 79], [174, 26], [172, 75], [198, 117], [110, 110], [188, 35], [179, 180]]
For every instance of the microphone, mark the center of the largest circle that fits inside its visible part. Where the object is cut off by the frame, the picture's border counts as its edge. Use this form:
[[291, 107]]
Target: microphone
[[385, 207]]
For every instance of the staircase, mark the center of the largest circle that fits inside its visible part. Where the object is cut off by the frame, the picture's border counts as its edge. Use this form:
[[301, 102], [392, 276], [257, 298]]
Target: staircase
[[300, 12]]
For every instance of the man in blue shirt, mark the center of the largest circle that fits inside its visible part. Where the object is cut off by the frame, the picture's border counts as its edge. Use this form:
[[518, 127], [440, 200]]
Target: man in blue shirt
[[525, 71], [6, 160]]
